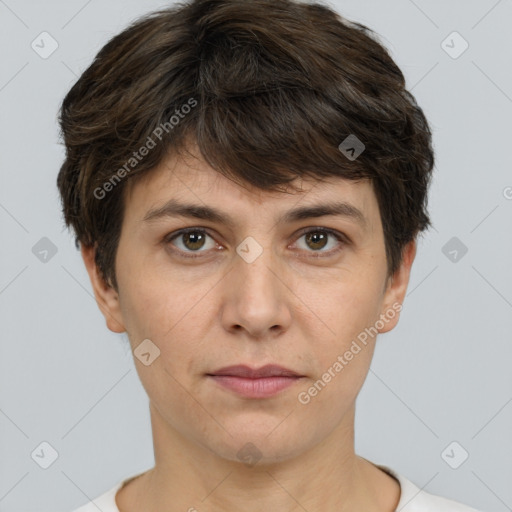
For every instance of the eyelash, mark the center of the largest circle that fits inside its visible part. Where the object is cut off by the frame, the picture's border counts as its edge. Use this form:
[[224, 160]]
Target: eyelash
[[187, 254]]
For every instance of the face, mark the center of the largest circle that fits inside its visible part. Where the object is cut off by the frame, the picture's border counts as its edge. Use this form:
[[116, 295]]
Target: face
[[256, 284]]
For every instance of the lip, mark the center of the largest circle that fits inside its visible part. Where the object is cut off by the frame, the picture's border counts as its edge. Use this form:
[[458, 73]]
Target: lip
[[261, 382], [269, 370]]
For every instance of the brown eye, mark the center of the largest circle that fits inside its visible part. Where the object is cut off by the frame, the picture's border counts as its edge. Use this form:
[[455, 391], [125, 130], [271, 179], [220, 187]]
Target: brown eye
[[190, 240], [316, 239], [194, 240]]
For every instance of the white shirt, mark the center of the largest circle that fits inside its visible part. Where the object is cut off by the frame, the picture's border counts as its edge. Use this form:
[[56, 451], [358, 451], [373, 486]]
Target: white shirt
[[412, 499]]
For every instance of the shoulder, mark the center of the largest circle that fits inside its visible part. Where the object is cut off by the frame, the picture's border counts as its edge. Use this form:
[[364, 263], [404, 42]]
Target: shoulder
[[413, 499], [106, 502]]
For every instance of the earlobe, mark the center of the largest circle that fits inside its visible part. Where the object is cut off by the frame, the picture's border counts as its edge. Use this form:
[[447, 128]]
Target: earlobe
[[397, 286], [106, 297]]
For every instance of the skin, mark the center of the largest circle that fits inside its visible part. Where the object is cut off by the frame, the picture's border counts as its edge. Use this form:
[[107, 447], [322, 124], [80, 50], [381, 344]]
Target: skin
[[288, 307]]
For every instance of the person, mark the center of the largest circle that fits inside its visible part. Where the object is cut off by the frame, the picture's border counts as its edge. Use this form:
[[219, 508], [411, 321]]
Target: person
[[246, 181]]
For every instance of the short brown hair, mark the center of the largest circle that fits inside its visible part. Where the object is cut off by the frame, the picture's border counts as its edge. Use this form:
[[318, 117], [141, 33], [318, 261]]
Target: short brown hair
[[272, 89]]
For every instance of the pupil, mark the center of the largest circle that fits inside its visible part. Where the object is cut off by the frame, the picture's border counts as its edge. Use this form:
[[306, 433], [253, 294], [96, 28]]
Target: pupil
[[315, 238], [193, 239]]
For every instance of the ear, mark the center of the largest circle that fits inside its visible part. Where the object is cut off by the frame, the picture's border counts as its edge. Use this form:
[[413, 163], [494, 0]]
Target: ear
[[106, 297], [395, 289]]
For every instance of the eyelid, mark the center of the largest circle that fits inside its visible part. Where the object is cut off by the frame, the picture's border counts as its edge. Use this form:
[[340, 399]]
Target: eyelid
[[334, 232], [176, 234], [183, 231], [338, 235]]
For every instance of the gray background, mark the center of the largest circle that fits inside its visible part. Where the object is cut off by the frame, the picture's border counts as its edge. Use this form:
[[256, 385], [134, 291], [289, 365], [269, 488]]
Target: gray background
[[442, 375]]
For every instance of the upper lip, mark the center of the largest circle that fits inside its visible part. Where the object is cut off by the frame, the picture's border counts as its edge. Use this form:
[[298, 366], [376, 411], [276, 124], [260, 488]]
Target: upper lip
[[269, 370]]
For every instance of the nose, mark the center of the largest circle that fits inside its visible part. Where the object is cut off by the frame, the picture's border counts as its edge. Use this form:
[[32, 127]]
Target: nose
[[255, 297]]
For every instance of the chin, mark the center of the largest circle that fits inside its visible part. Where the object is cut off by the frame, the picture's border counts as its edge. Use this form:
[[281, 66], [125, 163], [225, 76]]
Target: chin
[[263, 447]]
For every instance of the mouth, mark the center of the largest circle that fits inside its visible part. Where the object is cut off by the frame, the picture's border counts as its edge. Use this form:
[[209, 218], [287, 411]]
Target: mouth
[[242, 370], [261, 382]]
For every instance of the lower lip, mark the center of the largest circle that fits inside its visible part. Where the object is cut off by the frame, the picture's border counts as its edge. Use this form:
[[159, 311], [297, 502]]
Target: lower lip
[[255, 388]]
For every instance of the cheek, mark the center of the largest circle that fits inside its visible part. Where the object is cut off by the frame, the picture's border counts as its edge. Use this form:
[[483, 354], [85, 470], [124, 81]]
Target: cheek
[[148, 303], [171, 313], [342, 308], [344, 313]]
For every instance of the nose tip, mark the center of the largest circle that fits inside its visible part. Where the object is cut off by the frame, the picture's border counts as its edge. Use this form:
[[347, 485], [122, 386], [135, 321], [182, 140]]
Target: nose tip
[[254, 298]]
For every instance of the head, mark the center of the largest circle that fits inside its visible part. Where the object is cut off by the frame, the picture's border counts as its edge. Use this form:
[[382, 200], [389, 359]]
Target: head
[[242, 109]]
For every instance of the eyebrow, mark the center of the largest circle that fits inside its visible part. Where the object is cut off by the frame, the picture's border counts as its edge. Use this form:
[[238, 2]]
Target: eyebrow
[[175, 208]]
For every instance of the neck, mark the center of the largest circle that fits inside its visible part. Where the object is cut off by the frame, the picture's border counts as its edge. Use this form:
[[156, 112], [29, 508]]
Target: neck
[[328, 476]]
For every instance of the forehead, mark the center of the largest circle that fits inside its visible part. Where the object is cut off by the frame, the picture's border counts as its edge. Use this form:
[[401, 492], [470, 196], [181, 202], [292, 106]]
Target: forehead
[[193, 181]]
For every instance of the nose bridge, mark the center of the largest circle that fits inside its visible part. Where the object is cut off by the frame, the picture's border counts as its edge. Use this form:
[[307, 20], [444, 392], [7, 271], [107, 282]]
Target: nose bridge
[[256, 281], [254, 264], [254, 296]]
